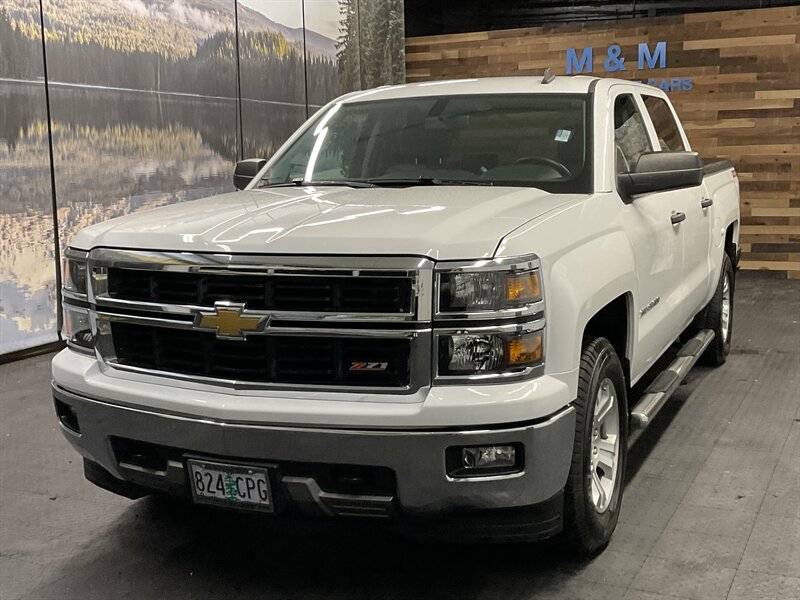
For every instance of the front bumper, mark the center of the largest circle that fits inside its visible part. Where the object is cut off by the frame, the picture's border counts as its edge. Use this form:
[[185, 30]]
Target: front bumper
[[419, 489]]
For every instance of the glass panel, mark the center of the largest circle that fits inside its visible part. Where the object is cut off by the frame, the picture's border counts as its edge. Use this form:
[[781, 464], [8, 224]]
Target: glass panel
[[630, 134], [27, 253], [325, 26], [271, 59], [382, 42], [149, 113], [669, 136], [349, 46], [519, 139]]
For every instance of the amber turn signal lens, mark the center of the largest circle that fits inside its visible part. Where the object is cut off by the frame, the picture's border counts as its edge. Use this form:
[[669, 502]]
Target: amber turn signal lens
[[523, 287], [524, 350]]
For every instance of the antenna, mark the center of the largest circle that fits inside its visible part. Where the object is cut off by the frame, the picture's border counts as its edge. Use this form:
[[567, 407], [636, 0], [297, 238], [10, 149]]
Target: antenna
[[548, 76]]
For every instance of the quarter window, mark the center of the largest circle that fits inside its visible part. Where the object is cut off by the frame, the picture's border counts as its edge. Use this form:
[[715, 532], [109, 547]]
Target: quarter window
[[630, 134], [669, 136]]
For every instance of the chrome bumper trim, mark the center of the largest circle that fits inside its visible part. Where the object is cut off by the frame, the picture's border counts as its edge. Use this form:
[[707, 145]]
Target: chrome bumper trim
[[416, 457]]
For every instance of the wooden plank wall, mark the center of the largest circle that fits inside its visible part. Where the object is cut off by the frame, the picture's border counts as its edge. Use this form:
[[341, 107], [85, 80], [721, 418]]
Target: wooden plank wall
[[744, 105]]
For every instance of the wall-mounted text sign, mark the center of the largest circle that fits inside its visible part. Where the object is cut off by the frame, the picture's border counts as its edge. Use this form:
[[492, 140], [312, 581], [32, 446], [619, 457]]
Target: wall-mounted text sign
[[614, 62]]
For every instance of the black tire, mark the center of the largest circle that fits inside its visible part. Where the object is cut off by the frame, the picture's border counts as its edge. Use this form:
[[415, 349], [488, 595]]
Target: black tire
[[720, 346], [586, 528]]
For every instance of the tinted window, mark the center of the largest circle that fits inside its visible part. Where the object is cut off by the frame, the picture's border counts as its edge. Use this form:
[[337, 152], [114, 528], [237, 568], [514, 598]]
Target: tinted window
[[537, 140], [630, 134], [669, 136]]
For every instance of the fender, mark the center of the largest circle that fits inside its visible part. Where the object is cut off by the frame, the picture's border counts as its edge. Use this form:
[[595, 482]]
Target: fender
[[582, 282], [579, 279], [724, 190]]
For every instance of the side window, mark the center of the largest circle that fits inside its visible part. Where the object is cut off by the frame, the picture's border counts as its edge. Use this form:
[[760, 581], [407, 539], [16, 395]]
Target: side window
[[630, 134], [666, 128]]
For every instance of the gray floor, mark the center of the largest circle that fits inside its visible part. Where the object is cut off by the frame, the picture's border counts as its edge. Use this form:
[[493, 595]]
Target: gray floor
[[712, 508]]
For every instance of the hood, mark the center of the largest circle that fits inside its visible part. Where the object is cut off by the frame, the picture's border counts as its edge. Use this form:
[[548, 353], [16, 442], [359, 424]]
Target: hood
[[441, 222]]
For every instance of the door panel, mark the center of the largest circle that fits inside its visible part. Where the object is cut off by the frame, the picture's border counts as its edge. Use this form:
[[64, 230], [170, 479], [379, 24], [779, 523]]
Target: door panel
[[697, 226], [657, 243]]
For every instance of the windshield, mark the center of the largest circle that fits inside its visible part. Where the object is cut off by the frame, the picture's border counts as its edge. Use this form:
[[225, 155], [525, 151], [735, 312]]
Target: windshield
[[537, 140]]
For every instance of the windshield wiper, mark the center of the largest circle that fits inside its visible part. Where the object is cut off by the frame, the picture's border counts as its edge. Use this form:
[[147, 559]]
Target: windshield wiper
[[423, 180], [301, 183]]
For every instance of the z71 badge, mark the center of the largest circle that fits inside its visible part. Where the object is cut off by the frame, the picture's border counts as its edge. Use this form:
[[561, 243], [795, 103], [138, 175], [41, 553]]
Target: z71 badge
[[368, 366]]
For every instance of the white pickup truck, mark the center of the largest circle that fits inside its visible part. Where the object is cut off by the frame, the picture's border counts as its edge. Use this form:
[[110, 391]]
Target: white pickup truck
[[430, 305]]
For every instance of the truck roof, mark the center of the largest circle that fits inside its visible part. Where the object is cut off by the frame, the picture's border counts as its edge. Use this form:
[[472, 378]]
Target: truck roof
[[563, 84]]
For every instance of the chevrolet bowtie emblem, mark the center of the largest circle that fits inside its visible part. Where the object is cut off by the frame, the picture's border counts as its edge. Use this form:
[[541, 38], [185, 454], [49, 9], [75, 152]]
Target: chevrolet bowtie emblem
[[230, 321]]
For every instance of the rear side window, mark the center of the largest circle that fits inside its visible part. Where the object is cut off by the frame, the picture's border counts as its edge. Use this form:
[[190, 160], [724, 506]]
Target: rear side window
[[669, 136], [630, 134]]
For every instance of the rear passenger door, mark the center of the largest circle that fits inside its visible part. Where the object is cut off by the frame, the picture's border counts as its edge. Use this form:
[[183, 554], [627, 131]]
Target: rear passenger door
[[690, 201]]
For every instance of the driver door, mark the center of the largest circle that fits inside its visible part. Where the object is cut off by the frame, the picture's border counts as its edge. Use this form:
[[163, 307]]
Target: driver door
[[657, 244]]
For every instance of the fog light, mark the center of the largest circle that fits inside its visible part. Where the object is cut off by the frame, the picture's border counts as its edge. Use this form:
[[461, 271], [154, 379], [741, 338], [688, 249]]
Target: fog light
[[475, 461], [487, 457], [67, 416]]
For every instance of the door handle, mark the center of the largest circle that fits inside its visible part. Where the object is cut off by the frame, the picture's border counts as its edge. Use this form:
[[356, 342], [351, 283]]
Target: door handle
[[706, 202], [677, 217]]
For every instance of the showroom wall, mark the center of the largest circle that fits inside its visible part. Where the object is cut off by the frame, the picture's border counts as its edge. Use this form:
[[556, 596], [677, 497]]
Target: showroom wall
[[733, 76], [150, 103]]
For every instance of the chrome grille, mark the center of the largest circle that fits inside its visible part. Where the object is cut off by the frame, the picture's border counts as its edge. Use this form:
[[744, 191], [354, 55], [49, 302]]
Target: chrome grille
[[333, 323], [266, 359], [367, 293]]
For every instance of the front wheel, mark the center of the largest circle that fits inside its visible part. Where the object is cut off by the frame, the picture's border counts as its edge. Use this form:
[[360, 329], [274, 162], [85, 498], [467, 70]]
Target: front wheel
[[593, 495]]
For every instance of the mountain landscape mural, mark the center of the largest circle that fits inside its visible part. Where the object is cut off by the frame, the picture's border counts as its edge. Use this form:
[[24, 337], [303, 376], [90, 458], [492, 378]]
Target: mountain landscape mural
[[151, 104]]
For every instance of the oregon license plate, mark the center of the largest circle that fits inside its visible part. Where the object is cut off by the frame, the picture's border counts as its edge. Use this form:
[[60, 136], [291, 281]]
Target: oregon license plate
[[234, 486]]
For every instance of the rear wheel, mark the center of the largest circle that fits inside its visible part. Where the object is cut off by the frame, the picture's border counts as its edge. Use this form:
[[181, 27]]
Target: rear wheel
[[719, 317], [593, 494]]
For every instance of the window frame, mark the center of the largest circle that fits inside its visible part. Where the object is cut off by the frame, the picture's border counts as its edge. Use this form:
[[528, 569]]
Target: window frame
[[675, 120], [645, 122]]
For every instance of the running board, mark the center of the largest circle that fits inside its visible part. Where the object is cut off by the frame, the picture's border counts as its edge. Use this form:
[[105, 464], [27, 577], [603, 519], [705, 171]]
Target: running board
[[657, 394]]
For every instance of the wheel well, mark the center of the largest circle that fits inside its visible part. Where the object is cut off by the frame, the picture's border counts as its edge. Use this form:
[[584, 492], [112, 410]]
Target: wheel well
[[612, 323]]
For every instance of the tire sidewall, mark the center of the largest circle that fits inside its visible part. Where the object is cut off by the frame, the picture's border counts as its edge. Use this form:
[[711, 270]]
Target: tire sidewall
[[587, 529], [727, 269], [607, 366], [718, 351]]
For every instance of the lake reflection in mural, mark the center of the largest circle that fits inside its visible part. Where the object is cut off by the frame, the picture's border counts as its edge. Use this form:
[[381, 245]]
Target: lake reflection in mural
[[27, 253], [145, 112]]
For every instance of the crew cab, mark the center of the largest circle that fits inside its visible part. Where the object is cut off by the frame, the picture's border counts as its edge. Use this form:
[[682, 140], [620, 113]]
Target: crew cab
[[430, 306]]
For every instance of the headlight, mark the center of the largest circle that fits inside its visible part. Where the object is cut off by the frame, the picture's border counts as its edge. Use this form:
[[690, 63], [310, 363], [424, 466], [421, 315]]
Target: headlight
[[489, 321], [74, 272], [489, 353], [500, 287], [77, 329]]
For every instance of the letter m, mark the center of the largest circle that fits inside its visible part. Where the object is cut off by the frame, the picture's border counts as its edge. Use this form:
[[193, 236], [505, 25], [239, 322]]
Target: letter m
[[575, 66], [659, 55]]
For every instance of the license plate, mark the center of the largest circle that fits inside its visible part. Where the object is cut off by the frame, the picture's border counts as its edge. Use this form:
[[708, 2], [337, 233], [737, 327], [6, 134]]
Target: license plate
[[234, 486]]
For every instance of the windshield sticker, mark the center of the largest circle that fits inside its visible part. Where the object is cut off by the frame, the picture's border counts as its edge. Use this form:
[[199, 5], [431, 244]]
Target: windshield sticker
[[563, 135]]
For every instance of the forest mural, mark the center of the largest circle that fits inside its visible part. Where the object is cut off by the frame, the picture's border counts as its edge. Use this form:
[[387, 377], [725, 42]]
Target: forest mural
[[150, 103]]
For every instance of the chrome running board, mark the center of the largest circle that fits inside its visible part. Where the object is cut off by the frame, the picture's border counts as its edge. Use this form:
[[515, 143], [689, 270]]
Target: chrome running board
[[657, 394]]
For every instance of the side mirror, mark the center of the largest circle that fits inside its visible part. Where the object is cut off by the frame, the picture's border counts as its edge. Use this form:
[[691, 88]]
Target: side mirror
[[662, 171], [246, 170]]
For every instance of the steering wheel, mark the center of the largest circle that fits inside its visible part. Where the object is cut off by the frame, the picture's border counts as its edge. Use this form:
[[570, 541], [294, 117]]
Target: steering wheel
[[547, 162]]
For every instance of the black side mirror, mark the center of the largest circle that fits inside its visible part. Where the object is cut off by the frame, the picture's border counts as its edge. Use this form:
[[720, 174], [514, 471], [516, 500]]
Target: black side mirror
[[661, 171], [246, 170]]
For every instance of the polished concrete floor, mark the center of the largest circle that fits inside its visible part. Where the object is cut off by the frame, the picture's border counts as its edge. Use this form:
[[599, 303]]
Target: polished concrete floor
[[712, 508]]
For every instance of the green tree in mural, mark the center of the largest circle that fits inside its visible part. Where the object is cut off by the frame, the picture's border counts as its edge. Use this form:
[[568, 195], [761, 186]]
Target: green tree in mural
[[371, 43], [348, 52], [381, 33], [17, 49]]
